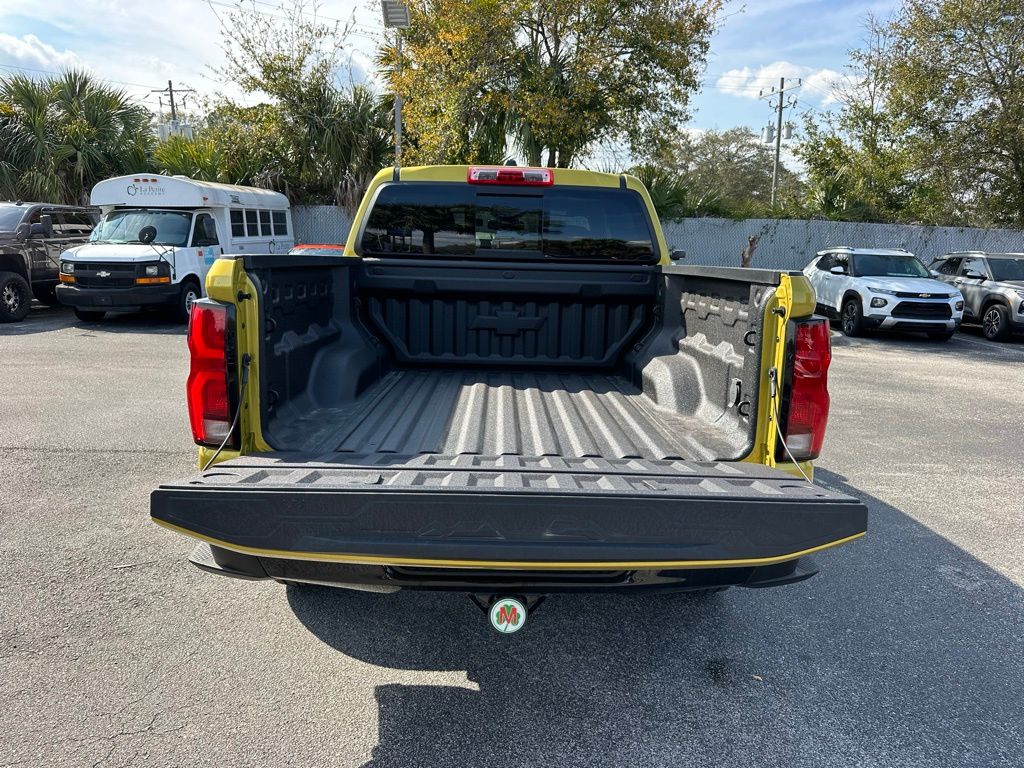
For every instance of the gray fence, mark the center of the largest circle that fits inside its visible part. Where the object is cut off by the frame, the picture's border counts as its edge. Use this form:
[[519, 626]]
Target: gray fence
[[320, 224], [784, 244], [790, 243]]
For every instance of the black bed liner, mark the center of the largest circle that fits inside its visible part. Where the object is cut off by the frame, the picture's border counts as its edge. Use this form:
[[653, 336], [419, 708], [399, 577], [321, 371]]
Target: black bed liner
[[507, 510], [506, 413]]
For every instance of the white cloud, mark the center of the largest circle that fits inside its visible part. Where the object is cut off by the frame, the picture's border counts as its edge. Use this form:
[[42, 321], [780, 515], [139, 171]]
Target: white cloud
[[818, 85], [30, 51], [127, 43]]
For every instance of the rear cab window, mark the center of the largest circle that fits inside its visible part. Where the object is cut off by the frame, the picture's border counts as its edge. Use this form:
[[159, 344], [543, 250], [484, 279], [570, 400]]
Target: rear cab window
[[564, 223]]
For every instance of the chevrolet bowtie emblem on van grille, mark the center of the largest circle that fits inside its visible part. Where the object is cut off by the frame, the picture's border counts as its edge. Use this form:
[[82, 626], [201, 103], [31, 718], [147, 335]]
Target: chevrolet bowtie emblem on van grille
[[924, 295], [103, 273]]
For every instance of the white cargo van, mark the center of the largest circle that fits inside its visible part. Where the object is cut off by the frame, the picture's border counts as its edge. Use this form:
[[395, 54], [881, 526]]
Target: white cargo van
[[158, 236]]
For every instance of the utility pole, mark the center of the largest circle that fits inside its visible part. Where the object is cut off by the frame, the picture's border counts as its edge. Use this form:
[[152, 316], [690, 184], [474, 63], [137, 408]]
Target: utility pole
[[778, 101], [398, 111], [169, 90]]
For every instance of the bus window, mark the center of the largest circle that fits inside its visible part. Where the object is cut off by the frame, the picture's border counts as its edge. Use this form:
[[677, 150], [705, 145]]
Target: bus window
[[280, 223]]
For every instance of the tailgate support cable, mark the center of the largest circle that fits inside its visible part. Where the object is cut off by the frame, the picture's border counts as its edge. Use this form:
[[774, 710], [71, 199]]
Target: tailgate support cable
[[773, 376], [246, 359]]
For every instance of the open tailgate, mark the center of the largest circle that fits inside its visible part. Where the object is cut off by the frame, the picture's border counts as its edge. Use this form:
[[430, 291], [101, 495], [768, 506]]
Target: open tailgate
[[508, 511]]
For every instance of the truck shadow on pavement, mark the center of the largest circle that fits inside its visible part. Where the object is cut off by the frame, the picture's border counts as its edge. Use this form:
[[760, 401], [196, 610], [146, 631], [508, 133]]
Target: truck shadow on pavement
[[904, 651]]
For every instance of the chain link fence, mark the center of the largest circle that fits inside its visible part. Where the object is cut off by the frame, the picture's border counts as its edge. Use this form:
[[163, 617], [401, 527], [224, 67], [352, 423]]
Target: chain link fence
[[786, 244], [320, 224], [791, 243]]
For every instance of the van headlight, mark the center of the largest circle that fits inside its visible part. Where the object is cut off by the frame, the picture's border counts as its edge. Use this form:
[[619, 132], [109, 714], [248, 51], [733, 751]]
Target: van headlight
[[67, 267], [152, 270], [884, 291]]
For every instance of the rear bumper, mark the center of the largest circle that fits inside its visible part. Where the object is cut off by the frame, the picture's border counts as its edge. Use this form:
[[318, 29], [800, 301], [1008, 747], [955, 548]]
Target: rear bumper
[[632, 516], [383, 578], [117, 298]]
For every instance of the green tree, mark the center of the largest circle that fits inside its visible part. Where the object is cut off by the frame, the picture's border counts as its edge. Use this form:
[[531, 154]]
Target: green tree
[[232, 145], [931, 124], [858, 164], [669, 191], [318, 138], [957, 84], [722, 173], [59, 135], [552, 76]]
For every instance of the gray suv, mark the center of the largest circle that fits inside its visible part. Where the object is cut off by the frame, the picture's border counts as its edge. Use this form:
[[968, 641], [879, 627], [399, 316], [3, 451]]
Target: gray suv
[[993, 289], [32, 238]]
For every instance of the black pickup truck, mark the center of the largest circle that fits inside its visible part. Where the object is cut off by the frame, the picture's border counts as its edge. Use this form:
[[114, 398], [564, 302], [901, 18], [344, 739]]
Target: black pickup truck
[[507, 387], [32, 238]]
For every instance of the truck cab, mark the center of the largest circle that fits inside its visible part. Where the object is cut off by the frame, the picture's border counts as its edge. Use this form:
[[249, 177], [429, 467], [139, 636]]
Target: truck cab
[[158, 237]]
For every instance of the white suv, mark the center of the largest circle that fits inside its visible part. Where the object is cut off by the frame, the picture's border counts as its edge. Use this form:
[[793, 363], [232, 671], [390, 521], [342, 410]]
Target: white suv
[[867, 288]]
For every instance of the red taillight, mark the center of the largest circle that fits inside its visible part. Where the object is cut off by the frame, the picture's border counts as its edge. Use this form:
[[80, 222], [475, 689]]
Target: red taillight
[[535, 177], [209, 407], [806, 409]]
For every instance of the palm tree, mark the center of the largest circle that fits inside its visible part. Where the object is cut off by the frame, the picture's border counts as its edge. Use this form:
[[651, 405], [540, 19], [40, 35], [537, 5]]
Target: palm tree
[[356, 143], [59, 135]]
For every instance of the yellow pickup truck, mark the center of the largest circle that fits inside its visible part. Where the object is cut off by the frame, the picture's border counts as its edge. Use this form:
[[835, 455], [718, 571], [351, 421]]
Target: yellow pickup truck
[[506, 386]]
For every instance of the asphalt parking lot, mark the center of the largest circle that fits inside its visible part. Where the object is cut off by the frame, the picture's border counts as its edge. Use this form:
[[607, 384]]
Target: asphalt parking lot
[[907, 650]]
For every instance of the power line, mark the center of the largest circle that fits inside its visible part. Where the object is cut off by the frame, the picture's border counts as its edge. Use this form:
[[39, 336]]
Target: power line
[[349, 29], [52, 72]]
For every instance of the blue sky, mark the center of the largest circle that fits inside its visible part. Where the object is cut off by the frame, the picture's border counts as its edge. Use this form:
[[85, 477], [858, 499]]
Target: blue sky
[[761, 40], [141, 43]]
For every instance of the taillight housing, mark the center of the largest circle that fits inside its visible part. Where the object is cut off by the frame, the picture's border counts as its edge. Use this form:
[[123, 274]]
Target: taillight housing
[[209, 389], [501, 174], [805, 400]]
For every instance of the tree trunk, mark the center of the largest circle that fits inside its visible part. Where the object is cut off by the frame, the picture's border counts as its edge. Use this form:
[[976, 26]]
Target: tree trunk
[[747, 253]]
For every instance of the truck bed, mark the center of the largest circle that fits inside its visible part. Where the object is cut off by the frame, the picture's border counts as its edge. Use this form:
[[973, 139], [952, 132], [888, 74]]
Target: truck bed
[[506, 416], [503, 413]]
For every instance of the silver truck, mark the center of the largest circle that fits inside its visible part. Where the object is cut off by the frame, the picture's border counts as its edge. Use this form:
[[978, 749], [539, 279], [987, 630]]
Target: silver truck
[[32, 238]]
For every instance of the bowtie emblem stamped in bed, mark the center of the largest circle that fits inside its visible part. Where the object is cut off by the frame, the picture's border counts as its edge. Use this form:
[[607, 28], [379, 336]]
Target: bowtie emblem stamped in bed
[[509, 323]]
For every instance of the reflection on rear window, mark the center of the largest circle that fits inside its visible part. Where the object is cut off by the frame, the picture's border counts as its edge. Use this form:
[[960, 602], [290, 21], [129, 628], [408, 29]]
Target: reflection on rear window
[[423, 219]]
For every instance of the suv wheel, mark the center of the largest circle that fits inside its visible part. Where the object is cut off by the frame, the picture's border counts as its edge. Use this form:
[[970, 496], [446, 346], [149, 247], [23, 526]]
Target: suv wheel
[[995, 323], [852, 318], [15, 297]]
